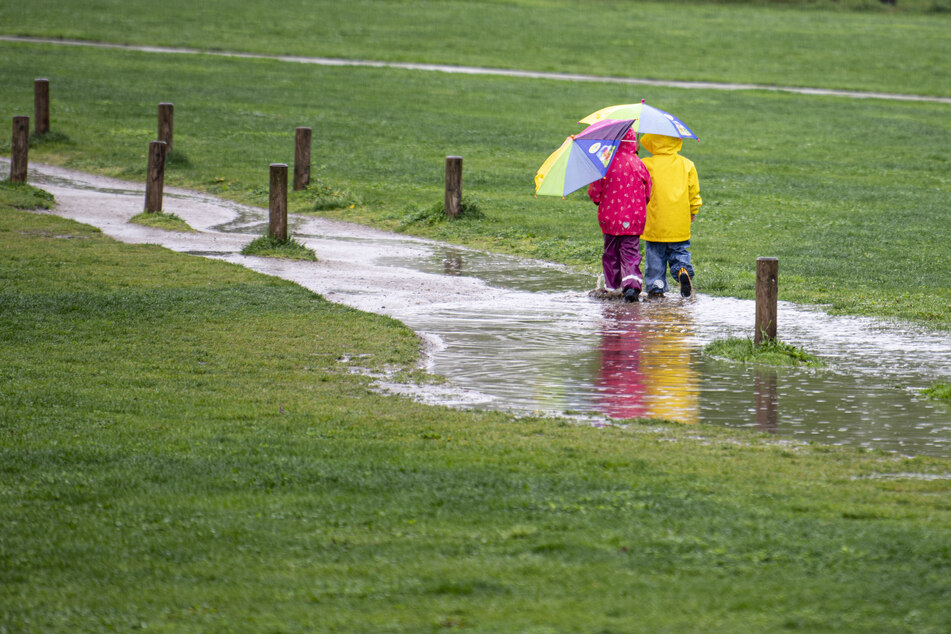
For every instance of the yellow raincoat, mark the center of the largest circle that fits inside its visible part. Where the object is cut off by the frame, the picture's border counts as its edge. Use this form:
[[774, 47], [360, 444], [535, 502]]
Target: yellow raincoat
[[676, 195]]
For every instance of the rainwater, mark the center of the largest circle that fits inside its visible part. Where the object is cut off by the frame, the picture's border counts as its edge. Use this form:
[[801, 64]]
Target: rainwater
[[527, 336], [550, 347]]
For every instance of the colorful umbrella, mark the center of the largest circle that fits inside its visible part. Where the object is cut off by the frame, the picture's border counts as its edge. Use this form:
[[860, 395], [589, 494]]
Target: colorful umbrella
[[649, 120], [583, 158]]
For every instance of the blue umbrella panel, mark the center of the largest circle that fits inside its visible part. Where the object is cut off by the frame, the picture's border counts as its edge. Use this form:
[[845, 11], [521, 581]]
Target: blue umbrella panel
[[581, 159]]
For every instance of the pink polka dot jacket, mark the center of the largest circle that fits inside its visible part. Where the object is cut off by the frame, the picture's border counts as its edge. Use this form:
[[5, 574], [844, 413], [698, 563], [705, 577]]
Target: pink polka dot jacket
[[622, 195]]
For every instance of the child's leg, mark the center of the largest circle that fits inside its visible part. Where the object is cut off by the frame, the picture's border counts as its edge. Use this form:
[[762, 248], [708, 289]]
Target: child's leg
[[611, 262], [678, 255], [630, 261], [680, 268], [655, 275]]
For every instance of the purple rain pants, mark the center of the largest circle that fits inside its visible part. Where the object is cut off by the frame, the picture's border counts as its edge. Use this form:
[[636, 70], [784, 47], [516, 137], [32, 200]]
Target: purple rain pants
[[622, 262]]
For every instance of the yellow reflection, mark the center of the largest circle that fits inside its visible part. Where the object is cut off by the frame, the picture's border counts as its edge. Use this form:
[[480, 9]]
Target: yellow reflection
[[646, 363]]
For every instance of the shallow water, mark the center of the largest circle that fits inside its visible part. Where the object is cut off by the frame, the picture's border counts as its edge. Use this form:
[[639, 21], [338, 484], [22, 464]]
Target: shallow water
[[564, 351], [526, 336]]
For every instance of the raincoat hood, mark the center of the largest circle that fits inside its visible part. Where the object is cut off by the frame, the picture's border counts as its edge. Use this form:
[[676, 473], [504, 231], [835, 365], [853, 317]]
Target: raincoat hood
[[676, 196], [658, 144], [628, 144]]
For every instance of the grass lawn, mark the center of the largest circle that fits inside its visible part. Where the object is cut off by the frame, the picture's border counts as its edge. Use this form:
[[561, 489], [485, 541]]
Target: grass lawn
[[843, 44], [850, 195], [184, 448]]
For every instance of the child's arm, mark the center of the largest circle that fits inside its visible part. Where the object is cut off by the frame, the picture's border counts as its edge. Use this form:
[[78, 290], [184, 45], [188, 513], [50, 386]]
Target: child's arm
[[693, 191], [594, 191]]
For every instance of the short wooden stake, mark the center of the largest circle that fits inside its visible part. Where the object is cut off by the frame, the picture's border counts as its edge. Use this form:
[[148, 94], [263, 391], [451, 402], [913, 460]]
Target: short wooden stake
[[767, 291], [20, 149], [155, 180], [166, 115], [301, 158], [453, 185], [277, 228], [41, 106]]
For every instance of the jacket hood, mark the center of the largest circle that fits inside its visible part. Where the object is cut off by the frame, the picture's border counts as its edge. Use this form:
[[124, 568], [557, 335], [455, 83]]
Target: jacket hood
[[659, 144], [628, 144]]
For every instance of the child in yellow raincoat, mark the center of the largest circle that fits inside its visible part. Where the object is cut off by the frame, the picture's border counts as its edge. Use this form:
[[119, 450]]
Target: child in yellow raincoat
[[674, 203]]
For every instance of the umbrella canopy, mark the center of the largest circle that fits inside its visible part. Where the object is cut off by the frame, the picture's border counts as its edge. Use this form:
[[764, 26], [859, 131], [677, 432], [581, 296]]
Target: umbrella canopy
[[583, 158], [649, 120]]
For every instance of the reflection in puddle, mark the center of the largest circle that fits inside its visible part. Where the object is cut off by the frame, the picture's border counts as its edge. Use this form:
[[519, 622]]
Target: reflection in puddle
[[525, 336], [543, 345], [452, 263], [208, 254], [765, 399], [647, 368], [500, 271]]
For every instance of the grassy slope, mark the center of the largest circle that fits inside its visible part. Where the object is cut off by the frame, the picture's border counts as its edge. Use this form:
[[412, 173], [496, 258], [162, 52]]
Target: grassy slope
[[182, 449]]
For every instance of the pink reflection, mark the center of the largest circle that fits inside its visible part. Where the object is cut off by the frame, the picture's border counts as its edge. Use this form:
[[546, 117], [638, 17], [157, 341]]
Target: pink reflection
[[620, 382], [647, 364]]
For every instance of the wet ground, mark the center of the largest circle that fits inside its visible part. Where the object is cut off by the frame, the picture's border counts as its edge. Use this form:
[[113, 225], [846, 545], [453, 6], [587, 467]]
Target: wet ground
[[527, 336]]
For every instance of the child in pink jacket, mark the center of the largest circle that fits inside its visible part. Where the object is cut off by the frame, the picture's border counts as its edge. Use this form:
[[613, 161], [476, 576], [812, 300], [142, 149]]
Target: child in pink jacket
[[621, 197]]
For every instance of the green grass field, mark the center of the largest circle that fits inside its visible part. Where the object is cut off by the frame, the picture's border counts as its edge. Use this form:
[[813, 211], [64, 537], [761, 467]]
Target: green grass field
[[851, 195], [184, 449], [844, 44], [183, 446]]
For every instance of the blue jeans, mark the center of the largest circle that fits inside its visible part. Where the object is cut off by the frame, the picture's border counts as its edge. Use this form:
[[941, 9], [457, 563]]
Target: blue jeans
[[661, 254]]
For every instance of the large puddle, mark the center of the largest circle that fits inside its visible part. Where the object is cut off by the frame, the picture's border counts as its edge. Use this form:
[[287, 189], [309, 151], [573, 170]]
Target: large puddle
[[527, 337], [549, 347]]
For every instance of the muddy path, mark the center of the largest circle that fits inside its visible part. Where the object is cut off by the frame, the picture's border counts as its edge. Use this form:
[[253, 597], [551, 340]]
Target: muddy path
[[528, 337]]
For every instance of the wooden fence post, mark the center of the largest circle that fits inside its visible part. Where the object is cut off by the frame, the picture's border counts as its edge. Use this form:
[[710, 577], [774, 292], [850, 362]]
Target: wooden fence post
[[277, 206], [20, 149], [767, 291], [166, 114], [301, 158], [453, 185], [155, 179], [41, 105]]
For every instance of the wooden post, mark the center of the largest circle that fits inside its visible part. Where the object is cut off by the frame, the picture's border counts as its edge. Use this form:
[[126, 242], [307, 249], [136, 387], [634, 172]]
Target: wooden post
[[767, 291], [277, 228], [453, 185], [20, 149], [41, 106], [302, 158], [155, 179], [166, 113]]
